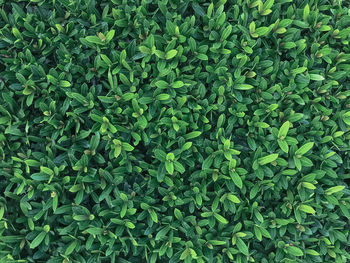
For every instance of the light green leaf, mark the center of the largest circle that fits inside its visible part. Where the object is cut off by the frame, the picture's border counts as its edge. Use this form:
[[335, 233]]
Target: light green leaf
[[316, 77], [177, 84], [282, 133], [145, 50], [163, 96], [71, 247], [130, 225], [236, 179], [37, 240], [169, 166], [160, 155], [312, 252], [192, 135], [233, 198], [305, 148], [307, 209], [268, 159], [244, 87], [179, 167], [185, 254], [170, 54], [202, 57], [242, 247], [154, 216], [64, 84], [220, 218], [346, 118], [262, 31], [283, 145], [306, 12], [295, 251], [335, 189], [162, 84], [46, 170]]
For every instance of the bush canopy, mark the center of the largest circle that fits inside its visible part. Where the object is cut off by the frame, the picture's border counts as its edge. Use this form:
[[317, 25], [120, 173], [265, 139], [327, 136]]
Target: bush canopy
[[174, 131]]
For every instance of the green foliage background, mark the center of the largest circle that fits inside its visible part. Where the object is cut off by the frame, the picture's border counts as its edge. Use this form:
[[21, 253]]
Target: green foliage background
[[168, 131]]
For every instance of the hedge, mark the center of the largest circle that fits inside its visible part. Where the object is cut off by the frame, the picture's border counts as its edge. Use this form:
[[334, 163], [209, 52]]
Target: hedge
[[174, 131]]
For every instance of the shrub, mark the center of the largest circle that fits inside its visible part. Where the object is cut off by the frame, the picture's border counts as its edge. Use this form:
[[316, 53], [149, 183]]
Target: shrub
[[168, 131]]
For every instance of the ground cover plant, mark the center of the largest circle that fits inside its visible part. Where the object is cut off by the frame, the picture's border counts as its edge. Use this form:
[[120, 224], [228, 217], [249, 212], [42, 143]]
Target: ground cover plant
[[174, 131]]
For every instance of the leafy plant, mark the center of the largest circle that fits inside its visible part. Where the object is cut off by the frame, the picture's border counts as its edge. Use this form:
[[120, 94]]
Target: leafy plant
[[174, 131]]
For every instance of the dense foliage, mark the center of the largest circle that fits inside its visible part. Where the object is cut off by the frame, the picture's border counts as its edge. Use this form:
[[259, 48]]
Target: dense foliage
[[168, 131]]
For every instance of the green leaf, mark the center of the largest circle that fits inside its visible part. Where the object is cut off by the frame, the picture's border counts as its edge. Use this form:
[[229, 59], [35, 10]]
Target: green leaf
[[225, 34], [311, 252], [295, 251], [80, 217], [178, 214], [335, 189], [207, 162], [202, 57], [145, 50], [21, 78], [185, 254], [37, 240], [169, 166], [94, 40], [233, 198], [170, 54], [64, 84], [117, 151], [217, 242], [268, 4], [306, 12], [316, 77], [244, 87], [179, 167], [264, 232], [308, 185], [110, 35], [242, 247], [76, 188], [252, 29], [262, 31], [307, 209], [127, 147], [154, 216], [268, 159], [46, 170], [71, 247], [33, 163], [283, 131], [163, 96], [124, 79], [130, 225], [160, 155], [78, 97], [305, 148], [257, 233], [95, 231], [161, 84], [95, 140], [177, 84], [186, 146], [236, 179], [207, 214], [162, 233], [192, 135], [283, 145], [220, 218], [346, 118], [210, 9]]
